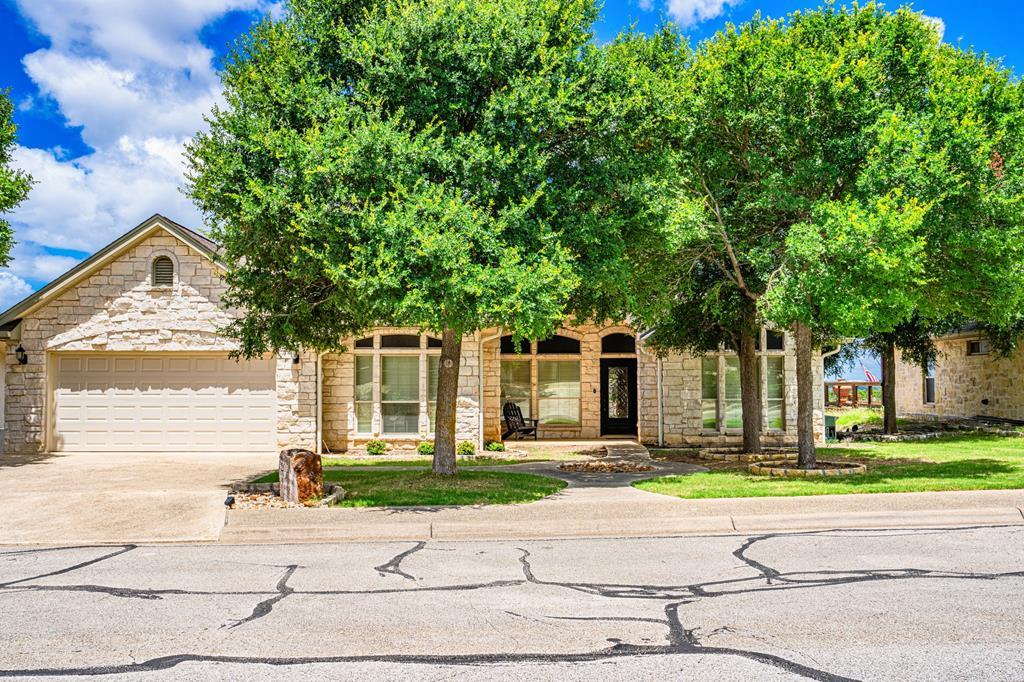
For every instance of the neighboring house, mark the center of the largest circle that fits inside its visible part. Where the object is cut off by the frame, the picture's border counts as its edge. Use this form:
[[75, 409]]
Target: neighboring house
[[968, 379], [124, 353]]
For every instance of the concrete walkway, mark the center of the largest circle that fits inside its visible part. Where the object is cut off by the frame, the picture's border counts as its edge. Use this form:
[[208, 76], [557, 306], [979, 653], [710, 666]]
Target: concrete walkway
[[606, 505]]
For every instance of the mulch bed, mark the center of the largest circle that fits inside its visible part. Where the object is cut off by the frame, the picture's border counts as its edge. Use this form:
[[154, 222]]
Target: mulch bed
[[266, 500]]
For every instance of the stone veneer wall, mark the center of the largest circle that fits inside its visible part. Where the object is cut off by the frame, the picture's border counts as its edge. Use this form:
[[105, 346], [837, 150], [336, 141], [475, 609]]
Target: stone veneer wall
[[962, 382], [296, 401], [589, 337], [117, 309], [680, 389], [339, 413]]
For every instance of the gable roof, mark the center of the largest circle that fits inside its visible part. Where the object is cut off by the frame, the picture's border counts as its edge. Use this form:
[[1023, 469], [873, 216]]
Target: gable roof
[[197, 241]]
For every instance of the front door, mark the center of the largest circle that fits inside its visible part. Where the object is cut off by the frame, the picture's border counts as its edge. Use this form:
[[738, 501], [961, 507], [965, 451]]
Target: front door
[[618, 397]]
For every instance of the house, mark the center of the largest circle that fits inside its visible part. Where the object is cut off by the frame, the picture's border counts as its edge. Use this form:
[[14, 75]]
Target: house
[[124, 353], [968, 379]]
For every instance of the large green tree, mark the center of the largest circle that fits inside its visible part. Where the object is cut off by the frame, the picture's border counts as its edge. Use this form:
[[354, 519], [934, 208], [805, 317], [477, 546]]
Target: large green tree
[[447, 164], [14, 183], [837, 168]]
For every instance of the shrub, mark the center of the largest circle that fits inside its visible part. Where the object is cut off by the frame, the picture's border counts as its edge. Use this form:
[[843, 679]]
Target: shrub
[[496, 446], [376, 447], [425, 447], [465, 449]]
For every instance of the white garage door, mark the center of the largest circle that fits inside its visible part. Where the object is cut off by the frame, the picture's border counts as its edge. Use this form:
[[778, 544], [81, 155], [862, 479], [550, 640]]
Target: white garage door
[[163, 403]]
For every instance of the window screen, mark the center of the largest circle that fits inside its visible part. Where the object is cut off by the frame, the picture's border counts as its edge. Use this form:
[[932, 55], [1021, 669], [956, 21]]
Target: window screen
[[515, 385], [733, 395], [776, 389], [364, 393], [558, 392], [400, 393], [709, 393]]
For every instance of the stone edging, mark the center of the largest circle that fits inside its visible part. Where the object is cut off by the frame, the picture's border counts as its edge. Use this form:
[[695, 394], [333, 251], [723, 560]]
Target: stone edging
[[928, 435], [332, 491], [718, 456], [778, 468]]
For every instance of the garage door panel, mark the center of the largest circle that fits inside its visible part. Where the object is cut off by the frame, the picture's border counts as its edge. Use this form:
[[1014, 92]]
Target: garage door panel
[[163, 402]]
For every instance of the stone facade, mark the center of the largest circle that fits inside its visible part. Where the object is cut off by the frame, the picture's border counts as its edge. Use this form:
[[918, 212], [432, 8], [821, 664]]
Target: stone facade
[[340, 430], [680, 385], [116, 308], [682, 422], [965, 385]]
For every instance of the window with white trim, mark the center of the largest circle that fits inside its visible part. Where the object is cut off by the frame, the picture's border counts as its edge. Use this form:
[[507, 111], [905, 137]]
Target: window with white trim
[[543, 379], [395, 392], [733, 394], [364, 393], [517, 384], [928, 381], [709, 393], [775, 391], [978, 347], [558, 392]]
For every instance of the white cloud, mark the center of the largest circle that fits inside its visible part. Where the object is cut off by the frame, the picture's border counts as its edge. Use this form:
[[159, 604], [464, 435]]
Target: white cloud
[[937, 23], [692, 12], [137, 79], [12, 289], [30, 262]]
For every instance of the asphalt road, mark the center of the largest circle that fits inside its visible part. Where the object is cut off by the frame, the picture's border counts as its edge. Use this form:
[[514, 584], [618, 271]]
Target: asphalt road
[[872, 605]]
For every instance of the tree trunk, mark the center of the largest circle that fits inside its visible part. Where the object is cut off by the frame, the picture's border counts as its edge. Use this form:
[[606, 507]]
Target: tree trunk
[[750, 393], [889, 385], [805, 396], [447, 401]]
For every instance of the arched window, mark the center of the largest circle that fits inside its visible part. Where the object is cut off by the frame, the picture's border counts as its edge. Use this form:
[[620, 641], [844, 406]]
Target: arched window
[[400, 341], [163, 272], [618, 343], [508, 346], [558, 345]]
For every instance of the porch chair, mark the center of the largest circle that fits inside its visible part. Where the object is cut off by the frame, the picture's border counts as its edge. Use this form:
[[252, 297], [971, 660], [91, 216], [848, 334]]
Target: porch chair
[[515, 424]]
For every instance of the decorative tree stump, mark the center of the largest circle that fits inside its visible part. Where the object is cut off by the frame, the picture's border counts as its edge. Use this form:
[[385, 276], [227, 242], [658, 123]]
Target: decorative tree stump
[[301, 476]]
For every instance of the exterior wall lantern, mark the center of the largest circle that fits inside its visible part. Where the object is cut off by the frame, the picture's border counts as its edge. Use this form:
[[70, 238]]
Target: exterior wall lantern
[[21, 355]]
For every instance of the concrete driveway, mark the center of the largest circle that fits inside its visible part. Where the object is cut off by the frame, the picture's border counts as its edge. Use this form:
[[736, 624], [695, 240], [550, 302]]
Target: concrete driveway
[[86, 498]]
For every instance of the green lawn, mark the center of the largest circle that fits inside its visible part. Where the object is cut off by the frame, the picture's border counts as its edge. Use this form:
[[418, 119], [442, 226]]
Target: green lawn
[[860, 416], [368, 488], [963, 462]]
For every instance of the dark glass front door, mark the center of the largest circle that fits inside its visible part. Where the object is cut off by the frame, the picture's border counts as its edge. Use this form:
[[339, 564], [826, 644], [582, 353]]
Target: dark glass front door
[[618, 397]]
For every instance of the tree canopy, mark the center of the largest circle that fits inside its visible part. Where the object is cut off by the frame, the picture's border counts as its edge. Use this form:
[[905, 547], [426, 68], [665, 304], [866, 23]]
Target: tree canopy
[[844, 170], [447, 164], [14, 184]]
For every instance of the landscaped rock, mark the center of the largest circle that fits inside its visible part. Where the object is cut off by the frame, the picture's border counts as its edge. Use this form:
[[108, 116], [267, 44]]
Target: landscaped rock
[[301, 475], [619, 467], [788, 470]]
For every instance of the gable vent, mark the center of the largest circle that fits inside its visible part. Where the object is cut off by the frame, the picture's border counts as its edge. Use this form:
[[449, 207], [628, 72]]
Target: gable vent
[[163, 272]]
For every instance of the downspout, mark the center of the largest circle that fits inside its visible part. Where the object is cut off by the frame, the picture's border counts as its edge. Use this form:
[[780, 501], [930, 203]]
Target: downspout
[[319, 403], [661, 407], [480, 395]]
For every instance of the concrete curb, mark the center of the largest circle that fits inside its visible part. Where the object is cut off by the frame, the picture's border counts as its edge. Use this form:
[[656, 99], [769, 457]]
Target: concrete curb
[[668, 526]]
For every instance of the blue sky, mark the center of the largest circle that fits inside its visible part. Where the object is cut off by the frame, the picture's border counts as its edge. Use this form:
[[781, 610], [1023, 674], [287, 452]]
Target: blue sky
[[108, 91]]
